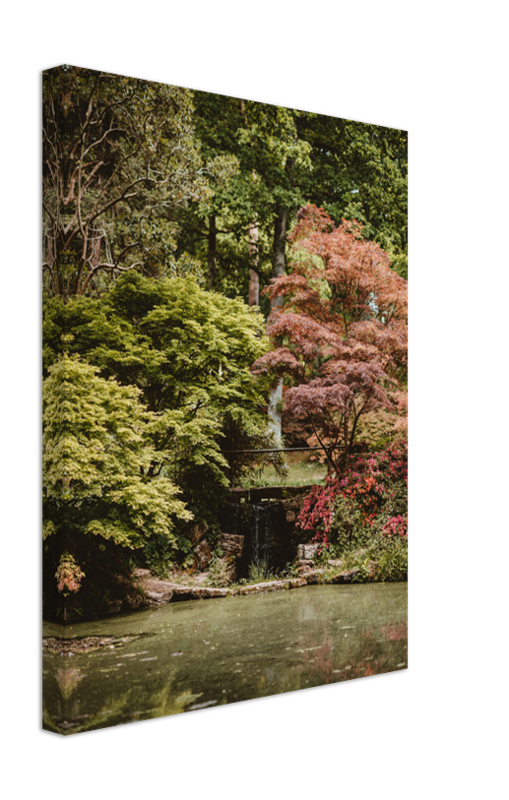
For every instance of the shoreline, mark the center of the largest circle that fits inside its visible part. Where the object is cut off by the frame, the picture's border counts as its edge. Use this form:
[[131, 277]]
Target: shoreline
[[154, 592], [160, 592]]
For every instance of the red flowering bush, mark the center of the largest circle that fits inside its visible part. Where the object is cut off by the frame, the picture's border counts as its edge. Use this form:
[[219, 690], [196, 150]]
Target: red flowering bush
[[370, 498], [318, 510], [396, 526]]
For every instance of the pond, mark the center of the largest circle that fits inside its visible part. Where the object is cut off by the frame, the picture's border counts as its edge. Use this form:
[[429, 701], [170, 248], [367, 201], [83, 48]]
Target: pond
[[205, 653]]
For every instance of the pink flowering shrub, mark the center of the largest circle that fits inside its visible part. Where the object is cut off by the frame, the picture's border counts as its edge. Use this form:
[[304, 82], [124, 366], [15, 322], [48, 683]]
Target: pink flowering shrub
[[396, 526], [370, 497], [68, 575], [317, 512]]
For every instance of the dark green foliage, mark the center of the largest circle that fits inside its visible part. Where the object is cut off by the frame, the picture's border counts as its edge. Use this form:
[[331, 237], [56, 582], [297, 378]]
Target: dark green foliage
[[118, 158], [106, 586], [148, 385], [188, 352], [158, 555], [348, 530], [282, 158], [360, 171]]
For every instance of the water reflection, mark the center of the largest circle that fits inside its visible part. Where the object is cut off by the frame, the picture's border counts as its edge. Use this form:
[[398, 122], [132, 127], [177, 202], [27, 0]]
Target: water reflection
[[206, 653]]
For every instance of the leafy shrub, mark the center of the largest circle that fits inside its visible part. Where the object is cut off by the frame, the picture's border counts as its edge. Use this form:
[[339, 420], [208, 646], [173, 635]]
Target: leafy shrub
[[260, 572], [139, 404], [392, 560], [219, 572], [158, 555], [369, 500], [348, 529]]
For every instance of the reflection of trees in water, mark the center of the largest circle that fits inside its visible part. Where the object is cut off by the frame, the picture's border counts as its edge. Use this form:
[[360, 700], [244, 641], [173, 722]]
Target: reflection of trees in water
[[368, 659], [324, 655], [318, 658], [396, 633], [68, 679], [330, 658], [318, 643], [136, 703]]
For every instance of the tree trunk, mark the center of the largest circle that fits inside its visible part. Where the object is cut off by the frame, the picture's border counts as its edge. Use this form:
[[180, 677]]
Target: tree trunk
[[279, 268], [254, 283], [212, 253], [275, 410], [278, 249], [280, 228]]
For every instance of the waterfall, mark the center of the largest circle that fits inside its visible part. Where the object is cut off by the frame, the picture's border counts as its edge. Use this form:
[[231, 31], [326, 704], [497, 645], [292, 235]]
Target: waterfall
[[269, 541], [260, 534]]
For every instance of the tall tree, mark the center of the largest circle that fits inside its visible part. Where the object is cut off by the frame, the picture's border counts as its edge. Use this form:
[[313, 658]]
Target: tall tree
[[360, 171], [340, 335], [207, 225], [118, 158], [275, 135], [259, 196]]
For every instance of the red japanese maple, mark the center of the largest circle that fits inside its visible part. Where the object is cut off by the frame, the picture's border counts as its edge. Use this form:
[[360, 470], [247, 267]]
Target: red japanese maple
[[339, 330]]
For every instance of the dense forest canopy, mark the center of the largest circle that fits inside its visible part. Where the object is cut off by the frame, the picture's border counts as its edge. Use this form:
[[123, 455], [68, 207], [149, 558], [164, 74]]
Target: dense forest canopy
[[188, 236], [153, 177]]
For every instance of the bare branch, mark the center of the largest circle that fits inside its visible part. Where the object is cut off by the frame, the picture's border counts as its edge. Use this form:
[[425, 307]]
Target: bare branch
[[107, 267]]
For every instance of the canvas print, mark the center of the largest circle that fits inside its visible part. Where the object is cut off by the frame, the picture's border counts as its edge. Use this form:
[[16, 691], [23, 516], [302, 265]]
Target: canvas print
[[224, 400]]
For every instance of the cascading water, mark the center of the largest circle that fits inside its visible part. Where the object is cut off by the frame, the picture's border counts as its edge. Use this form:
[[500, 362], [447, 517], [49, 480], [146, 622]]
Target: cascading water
[[260, 535], [255, 522], [269, 538]]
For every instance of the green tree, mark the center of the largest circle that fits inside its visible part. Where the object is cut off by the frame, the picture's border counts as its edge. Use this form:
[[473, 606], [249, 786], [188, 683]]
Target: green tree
[[248, 215], [360, 171], [189, 352], [96, 461], [118, 157], [99, 500], [240, 227]]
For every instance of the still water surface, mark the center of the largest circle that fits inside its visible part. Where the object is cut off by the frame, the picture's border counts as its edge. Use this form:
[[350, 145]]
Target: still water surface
[[204, 653]]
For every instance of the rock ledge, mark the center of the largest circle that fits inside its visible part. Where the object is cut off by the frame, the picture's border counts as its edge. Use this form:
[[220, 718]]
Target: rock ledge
[[158, 592]]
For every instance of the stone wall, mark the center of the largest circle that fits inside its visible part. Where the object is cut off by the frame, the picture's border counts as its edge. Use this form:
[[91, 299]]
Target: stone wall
[[232, 545], [232, 548], [277, 507]]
